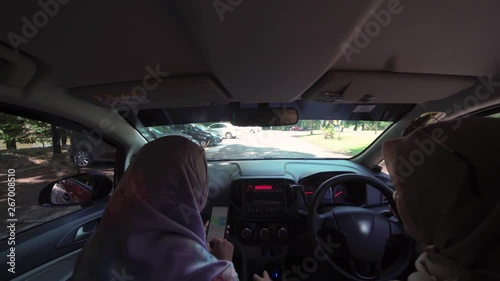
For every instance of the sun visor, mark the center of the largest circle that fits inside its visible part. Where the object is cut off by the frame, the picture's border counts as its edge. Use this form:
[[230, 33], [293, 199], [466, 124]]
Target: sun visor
[[376, 87], [170, 92]]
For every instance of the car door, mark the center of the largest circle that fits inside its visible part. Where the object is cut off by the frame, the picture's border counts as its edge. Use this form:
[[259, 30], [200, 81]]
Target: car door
[[41, 243]]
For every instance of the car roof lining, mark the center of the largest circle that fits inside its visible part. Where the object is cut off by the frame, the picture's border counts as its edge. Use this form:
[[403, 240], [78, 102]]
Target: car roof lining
[[275, 57], [262, 51]]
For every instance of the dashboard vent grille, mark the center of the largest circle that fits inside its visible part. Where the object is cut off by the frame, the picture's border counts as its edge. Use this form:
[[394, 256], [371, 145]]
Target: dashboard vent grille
[[291, 194], [236, 195], [384, 179]]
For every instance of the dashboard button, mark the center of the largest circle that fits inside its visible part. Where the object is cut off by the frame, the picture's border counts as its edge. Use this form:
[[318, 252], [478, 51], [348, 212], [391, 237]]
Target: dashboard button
[[282, 233], [246, 234], [264, 233]]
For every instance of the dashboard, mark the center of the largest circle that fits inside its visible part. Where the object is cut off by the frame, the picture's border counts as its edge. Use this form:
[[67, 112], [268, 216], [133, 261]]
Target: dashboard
[[268, 199], [347, 194]]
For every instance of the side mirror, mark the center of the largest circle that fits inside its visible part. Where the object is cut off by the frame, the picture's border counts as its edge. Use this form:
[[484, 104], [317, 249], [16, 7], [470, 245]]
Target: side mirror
[[76, 190]]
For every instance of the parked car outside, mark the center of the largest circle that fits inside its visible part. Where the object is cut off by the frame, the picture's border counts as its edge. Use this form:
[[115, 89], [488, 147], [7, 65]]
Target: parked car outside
[[296, 128], [85, 150], [202, 134], [227, 130], [250, 129], [162, 133]]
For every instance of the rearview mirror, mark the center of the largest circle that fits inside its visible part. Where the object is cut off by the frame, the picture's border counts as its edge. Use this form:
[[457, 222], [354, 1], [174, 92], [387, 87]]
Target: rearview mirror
[[265, 117], [76, 190]]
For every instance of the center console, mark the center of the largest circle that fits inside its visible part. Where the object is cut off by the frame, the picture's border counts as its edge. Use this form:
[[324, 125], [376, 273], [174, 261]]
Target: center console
[[260, 212]]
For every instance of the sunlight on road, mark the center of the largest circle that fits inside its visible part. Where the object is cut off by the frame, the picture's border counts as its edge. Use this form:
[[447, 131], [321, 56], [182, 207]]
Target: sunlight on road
[[290, 144]]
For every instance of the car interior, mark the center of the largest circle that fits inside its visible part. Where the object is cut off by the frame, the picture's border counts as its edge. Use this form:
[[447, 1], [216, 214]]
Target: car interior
[[109, 70]]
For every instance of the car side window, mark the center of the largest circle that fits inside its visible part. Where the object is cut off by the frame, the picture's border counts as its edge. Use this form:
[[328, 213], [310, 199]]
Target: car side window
[[496, 115], [34, 154]]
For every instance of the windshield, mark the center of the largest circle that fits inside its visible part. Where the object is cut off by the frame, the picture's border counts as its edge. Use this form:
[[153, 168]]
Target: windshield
[[306, 139]]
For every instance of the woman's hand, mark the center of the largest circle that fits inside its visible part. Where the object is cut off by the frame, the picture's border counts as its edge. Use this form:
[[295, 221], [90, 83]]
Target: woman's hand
[[265, 277], [221, 249]]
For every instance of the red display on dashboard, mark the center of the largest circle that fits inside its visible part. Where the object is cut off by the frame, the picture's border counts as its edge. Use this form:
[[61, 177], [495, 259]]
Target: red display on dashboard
[[263, 187]]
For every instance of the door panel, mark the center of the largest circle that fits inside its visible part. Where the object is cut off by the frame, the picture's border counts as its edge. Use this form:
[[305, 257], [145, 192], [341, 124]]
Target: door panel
[[48, 251], [60, 269]]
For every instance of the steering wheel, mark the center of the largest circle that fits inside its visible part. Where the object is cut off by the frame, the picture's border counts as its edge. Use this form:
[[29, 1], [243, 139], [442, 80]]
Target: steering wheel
[[360, 235]]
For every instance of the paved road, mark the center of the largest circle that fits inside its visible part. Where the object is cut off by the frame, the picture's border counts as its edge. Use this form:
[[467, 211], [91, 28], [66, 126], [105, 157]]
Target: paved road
[[269, 144]]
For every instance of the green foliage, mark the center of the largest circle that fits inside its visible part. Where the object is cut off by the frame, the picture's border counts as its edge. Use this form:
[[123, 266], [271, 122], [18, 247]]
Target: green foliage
[[39, 131], [15, 129], [328, 129]]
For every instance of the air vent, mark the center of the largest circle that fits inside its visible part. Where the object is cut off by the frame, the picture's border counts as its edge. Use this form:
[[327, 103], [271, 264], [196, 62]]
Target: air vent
[[384, 179], [236, 195], [291, 194]]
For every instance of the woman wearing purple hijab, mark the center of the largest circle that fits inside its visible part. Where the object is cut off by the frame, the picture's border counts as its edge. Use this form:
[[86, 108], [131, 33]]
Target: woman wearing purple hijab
[[152, 228]]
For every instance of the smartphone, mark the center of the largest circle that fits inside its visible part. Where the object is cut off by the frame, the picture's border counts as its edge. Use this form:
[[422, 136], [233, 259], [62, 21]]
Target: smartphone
[[218, 220]]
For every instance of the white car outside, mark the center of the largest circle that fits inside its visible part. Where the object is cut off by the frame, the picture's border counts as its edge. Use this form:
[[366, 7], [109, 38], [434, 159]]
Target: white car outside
[[227, 130], [252, 130]]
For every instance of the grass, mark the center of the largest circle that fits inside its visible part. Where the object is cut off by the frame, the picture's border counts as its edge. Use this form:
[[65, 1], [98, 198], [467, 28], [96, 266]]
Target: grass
[[350, 143]]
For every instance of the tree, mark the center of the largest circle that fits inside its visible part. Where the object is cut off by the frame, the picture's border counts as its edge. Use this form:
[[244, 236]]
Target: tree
[[64, 136], [56, 140], [13, 129], [39, 132], [16, 129], [328, 127]]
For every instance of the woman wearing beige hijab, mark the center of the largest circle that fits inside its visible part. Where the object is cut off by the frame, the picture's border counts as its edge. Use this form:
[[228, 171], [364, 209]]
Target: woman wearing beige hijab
[[448, 195]]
